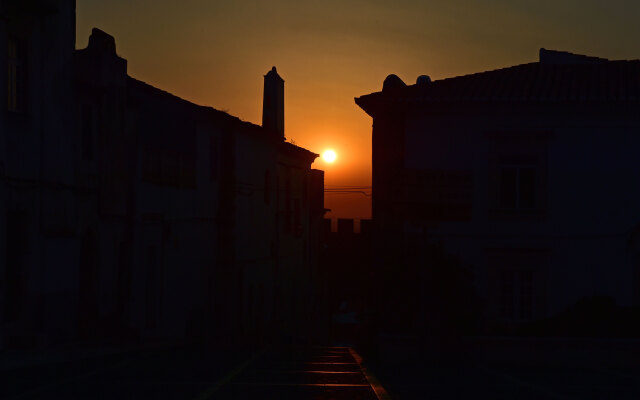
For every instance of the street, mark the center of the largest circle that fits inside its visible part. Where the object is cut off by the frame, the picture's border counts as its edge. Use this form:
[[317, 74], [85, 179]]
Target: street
[[303, 373], [276, 373]]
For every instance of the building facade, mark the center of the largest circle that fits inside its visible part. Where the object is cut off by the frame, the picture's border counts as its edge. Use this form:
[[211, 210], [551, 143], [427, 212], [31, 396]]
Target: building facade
[[42, 202], [129, 213], [525, 173]]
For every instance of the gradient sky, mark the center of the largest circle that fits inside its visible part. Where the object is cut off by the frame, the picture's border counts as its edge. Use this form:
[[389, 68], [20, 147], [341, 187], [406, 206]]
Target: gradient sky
[[216, 53]]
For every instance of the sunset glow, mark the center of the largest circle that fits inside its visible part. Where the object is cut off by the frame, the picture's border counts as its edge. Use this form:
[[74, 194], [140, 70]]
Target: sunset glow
[[215, 53], [329, 156]]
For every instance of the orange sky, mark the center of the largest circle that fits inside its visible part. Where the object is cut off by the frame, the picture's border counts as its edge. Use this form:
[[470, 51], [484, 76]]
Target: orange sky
[[216, 53]]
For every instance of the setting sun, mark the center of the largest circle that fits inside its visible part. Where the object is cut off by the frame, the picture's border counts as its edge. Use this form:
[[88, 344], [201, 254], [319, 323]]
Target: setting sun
[[329, 156]]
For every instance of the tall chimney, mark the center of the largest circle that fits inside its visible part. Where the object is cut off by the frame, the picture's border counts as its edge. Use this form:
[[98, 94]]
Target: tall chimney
[[273, 103]]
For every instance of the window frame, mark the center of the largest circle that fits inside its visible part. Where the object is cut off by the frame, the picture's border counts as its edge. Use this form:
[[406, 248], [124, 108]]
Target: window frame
[[87, 132], [519, 149], [16, 64], [267, 187], [518, 188], [518, 304], [214, 158], [526, 299]]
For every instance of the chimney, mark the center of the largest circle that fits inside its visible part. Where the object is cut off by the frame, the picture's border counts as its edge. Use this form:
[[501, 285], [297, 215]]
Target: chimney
[[101, 41], [273, 103]]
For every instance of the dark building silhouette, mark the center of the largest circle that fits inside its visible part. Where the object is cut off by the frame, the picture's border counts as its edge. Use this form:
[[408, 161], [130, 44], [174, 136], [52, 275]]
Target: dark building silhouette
[[525, 174], [44, 194], [127, 212], [346, 260], [273, 102]]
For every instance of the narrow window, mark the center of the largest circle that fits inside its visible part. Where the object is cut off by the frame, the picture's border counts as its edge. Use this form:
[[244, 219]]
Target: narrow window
[[15, 76], [17, 246], [526, 295], [527, 187], [151, 289], [508, 187], [636, 280], [87, 132], [507, 294], [267, 187], [287, 199], [213, 158], [124, 279], [517, 187], [185, 158], [305, 192], [250, 301], [296, 216]]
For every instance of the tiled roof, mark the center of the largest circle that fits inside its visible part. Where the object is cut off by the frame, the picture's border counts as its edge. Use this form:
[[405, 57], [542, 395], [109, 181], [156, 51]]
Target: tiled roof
[[299, 151], [610, 81], [143, 87], [187, 106]]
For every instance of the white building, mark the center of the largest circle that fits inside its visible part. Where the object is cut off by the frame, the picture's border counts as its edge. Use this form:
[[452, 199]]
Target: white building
[[529, 174], [41, 198], [127, 212]]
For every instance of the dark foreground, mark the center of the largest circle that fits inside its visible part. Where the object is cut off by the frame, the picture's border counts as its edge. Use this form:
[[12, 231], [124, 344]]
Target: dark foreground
[[509, 368], [178, 373], [478, 368], [303, 373]]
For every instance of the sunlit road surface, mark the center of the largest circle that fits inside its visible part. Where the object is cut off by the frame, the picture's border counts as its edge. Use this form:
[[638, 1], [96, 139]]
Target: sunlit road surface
[[303, 373], [175, 373]]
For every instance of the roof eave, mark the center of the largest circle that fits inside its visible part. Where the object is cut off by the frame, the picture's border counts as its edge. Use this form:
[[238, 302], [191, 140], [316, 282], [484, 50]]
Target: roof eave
[[370, 103], [300, 152]]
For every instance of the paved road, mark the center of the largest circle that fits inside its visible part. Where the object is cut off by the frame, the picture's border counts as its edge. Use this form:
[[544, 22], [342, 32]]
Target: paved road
[[282, 373], [303, 373]]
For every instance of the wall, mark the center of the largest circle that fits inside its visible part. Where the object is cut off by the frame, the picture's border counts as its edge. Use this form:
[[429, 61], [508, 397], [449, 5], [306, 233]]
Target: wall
[[590, 208], [37, 191], [129, 214]]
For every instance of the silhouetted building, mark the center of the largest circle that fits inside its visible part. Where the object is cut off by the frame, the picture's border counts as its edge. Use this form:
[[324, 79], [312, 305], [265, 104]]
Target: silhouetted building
[[366, 226], [346, 226], [346, 261], [44, 195], [273, 103], [127, 212], [525, 173]]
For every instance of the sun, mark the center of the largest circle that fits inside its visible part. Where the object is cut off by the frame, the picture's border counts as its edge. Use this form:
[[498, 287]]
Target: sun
[[329, 156]]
